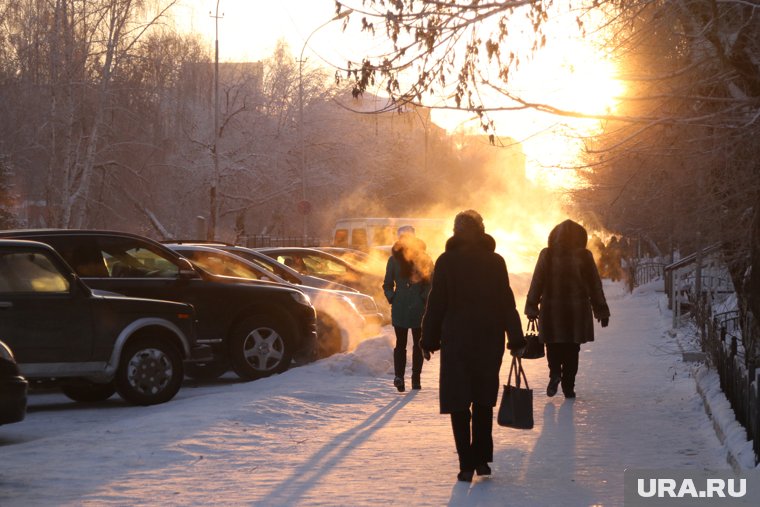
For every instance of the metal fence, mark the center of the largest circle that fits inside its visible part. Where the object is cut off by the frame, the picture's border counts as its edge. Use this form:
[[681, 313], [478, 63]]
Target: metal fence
[[736, 367], [647, 271]]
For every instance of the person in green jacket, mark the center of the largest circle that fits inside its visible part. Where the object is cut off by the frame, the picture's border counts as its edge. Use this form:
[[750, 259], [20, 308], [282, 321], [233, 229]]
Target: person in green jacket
[[406, 286]]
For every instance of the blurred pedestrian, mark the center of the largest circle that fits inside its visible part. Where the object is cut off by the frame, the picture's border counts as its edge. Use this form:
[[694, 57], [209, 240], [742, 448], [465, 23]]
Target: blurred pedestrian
[[612, 260], [564, 294], [406, 286], [471, 305]]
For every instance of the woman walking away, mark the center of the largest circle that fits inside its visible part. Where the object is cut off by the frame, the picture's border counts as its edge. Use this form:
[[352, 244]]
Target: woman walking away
[[564, 292], [406, 287], [470, 307]]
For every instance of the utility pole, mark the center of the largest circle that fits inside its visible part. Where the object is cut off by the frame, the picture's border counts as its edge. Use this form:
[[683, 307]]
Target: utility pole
[[215, 177]]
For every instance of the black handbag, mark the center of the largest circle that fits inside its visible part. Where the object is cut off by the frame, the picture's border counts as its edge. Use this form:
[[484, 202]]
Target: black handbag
[[516, 407], [534, 349]]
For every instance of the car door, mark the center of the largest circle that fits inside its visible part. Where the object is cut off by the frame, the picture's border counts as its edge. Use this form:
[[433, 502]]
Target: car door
[[45, 315], [139, 268]]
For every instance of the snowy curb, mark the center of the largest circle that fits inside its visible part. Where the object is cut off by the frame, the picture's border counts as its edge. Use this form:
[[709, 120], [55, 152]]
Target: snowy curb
[[733, 436], [741, 455]]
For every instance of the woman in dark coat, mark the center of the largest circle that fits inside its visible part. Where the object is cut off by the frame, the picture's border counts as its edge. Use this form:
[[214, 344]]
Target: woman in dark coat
[[470, 307], [406, 287], [564, 294]]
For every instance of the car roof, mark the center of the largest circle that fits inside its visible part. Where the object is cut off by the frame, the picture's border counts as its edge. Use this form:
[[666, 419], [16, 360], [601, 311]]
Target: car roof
[[66, 232], [25, 243]]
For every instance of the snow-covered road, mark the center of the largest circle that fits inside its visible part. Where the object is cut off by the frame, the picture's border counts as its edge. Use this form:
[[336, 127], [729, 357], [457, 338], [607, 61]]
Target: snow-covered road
[[337, 433]]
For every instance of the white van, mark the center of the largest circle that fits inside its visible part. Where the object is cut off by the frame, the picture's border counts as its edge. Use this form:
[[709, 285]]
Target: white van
[[366, 233]]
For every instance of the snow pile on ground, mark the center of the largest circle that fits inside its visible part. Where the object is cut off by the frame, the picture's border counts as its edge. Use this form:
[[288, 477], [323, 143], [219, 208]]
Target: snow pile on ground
[[371, 357]]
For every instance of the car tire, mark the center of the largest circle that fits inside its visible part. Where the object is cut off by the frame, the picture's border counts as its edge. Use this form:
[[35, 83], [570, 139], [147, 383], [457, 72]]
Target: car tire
[[150, 372], [206, 371], [329, 337], [260, 345], [88, 392]]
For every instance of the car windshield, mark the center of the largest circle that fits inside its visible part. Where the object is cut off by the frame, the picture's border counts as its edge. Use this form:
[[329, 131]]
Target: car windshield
[[221, 264]]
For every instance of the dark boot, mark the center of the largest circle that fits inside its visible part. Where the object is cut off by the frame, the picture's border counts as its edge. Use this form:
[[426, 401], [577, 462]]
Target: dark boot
[[551, 389], [465, 475], [399, 366], [416, 358], [570, 370]]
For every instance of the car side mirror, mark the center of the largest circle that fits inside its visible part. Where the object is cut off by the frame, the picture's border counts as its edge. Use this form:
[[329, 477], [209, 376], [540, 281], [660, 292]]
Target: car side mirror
[[78, 288], [186, 270]]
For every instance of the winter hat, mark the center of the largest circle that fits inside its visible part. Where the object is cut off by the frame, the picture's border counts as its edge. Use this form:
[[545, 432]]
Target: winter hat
[[405, 229], [468, 222]]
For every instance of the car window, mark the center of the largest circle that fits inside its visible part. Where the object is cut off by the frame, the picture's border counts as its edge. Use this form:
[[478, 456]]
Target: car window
[[341, 237], [30, 272], [126, 259], [321, 266], [220, 264], [359, 238], [383, 235], [294, 262]]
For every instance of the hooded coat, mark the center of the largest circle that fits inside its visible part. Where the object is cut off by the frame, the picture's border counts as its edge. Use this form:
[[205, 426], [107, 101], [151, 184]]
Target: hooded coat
[[566, 288], [407, 282], [470, 307]]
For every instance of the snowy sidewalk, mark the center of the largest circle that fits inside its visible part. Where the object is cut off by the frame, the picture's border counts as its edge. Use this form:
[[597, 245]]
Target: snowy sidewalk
[[337, 433]]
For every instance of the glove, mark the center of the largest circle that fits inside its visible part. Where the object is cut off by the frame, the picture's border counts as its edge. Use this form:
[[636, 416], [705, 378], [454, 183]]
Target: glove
[[605, 321], [517, 344], [427, 354]]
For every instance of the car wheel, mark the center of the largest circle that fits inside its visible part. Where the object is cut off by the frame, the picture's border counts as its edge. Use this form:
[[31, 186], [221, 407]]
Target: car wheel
[[206, 371], [150, 372], [88, 392], [260, 346], [329, 338]]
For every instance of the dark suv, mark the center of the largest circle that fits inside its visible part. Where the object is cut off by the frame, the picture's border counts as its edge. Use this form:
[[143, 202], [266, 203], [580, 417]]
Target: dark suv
[[257, 328], [91, 345]]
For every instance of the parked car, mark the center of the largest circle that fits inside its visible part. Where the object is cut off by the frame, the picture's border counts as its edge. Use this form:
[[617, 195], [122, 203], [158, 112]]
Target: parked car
[[321, 264], [91, 345], [281, 270], [256, 329], [12, 388], [341, 316]]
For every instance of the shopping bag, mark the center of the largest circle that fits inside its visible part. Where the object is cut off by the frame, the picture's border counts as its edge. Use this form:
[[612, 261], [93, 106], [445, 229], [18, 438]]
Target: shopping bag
[[534, 348], [516, 407]]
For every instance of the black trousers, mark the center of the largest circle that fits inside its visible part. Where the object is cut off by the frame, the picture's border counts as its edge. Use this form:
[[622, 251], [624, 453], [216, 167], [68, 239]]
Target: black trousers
[[563, 363], [473, 447], [399, 353]]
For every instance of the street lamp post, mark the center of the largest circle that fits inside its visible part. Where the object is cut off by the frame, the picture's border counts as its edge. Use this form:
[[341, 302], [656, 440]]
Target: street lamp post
[[305, 208], [215, 178]]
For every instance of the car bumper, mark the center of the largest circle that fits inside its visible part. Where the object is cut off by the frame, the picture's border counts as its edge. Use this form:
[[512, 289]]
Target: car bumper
[[308, 349], [13, 399], [373, 322]]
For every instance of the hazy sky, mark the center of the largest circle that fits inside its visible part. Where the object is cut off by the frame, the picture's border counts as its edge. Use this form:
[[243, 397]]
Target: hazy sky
[[569, 74]]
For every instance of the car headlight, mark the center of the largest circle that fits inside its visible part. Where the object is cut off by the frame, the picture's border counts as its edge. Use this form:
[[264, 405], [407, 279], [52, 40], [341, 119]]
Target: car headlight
[[301, 298]]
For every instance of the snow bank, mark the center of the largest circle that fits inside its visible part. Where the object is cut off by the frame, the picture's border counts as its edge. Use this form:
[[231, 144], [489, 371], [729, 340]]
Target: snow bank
[[372, 357]]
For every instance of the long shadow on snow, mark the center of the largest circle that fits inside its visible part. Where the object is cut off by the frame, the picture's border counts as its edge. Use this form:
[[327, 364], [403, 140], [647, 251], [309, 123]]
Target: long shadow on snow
[[307, 475]]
